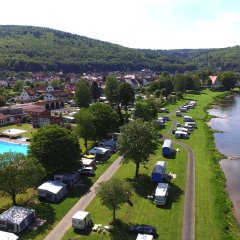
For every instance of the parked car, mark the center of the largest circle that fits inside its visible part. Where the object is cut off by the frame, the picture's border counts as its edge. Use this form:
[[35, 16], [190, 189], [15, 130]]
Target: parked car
[[143, 228], [86, 171]]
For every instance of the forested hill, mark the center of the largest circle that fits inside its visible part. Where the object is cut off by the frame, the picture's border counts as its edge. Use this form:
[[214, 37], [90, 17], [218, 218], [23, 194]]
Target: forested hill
[[24, 48]]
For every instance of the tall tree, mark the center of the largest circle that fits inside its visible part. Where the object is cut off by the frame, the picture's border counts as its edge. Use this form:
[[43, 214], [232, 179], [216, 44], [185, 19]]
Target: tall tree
[[228, 80], [56, 148], [18, 173], [95, 91], [138, 139], [113, 194], [111, 89], [82, 94], [145, 110], [105, 119], [179, 83], [86, 129], [126, 94]]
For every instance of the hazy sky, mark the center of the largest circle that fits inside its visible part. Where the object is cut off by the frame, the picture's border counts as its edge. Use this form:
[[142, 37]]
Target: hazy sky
[[155, 24]]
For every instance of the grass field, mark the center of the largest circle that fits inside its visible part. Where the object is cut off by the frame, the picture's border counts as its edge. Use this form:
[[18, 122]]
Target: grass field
[[214, 219], [143, 210], [53, 213]]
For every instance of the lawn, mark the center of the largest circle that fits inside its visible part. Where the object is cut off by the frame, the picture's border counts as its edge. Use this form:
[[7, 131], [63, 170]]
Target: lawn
[[53, 213], [214, 219], [166, 219], [25, 126]]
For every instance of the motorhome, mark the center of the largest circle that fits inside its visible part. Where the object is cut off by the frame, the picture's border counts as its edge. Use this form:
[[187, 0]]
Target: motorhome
[[161, 194], [188, 119], [81, 220], [183, 129], [181, 134], [190, 124]]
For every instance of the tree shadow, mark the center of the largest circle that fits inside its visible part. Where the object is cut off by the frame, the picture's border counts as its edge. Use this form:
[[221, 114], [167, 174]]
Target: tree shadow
[[143, 185], [81, 188], [174, 194], [84, 232], [120, 231]]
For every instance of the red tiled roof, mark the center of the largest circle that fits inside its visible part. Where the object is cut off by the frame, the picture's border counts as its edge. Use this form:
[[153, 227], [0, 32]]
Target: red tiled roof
[[213, 79]]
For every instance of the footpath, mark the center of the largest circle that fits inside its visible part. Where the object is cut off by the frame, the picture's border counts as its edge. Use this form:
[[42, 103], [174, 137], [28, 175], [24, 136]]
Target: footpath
[[62, 227]]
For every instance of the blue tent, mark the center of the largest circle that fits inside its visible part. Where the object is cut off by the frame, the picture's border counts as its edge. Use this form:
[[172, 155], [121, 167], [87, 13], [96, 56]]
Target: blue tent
[[158, 171], [167, 147]]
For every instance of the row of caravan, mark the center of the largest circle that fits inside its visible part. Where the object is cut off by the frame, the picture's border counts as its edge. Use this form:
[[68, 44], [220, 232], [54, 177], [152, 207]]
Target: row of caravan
[[161, 192]]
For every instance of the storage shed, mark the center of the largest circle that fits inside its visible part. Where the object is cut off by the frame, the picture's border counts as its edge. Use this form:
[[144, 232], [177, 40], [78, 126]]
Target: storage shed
[[167, 147], [159, 171], [52, 191], [16, 219]]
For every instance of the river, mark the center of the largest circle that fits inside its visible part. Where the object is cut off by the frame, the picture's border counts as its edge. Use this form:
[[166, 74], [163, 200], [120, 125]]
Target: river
[[227, 122]]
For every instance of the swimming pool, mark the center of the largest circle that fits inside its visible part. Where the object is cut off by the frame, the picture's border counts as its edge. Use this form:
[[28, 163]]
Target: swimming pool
[[7, 147]]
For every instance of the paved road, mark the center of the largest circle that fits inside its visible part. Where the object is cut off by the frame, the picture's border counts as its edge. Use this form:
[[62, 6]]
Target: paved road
[[188, 227], [62, 227]]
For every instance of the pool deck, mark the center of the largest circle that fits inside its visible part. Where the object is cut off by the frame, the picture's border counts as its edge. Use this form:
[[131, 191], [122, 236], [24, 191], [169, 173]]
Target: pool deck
[[16, 141]]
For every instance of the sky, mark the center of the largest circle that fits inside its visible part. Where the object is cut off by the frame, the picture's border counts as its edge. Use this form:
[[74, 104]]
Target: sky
[[148, 24]]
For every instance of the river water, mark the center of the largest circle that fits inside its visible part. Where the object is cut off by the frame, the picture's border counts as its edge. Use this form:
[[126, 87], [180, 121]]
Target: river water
[[227, 121]]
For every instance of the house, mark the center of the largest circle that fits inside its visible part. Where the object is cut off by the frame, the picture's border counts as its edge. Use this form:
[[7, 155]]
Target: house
[[11, 114], [8, 236], [27, 95], [67, 178], [16, 219], [215, 82], [53, 191]]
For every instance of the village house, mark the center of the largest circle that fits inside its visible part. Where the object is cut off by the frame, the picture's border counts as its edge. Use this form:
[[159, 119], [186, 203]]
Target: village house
[[27, 95], [215, 82], [9, 115]]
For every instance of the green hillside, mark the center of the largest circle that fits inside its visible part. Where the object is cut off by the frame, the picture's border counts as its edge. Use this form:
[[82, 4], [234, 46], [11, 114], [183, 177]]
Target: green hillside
[[24, 48]]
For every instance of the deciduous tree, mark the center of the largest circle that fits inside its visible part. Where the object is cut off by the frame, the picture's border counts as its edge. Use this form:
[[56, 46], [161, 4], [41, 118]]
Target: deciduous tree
[[111, 89], [113, 194], [82, 94], [56, 148], [86, 129], [228, 80], [138, 139], [18, 173], [105, 119]]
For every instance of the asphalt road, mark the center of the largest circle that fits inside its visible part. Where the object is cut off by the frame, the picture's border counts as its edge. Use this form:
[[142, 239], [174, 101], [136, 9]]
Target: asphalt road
[[62, 227], [188, 227]]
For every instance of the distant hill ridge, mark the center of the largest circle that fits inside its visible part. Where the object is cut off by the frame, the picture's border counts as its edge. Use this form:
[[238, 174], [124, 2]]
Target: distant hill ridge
[[26, 48]]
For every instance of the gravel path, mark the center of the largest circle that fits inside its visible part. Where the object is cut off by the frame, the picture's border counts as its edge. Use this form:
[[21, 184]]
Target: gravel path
[[62, 227]]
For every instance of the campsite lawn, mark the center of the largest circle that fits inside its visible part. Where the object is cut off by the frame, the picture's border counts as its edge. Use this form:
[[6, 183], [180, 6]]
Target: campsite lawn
[[53, 213], [166, 219], [207, 210]]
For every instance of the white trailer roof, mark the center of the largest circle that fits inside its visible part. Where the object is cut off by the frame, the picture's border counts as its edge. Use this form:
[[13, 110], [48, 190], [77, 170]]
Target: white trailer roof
[[80, 215], [7, 236], [161, 189], [144, 237], [52, 186], [98, 150]]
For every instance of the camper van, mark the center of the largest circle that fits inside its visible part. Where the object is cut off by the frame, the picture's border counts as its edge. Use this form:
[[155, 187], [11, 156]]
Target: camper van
[[188, 119], [81, 220], [183, 129], [161, 194], [181, 134]]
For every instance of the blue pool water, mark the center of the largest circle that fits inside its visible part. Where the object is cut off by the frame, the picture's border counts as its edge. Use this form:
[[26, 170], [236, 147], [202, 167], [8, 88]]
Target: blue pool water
[[7, 147]]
